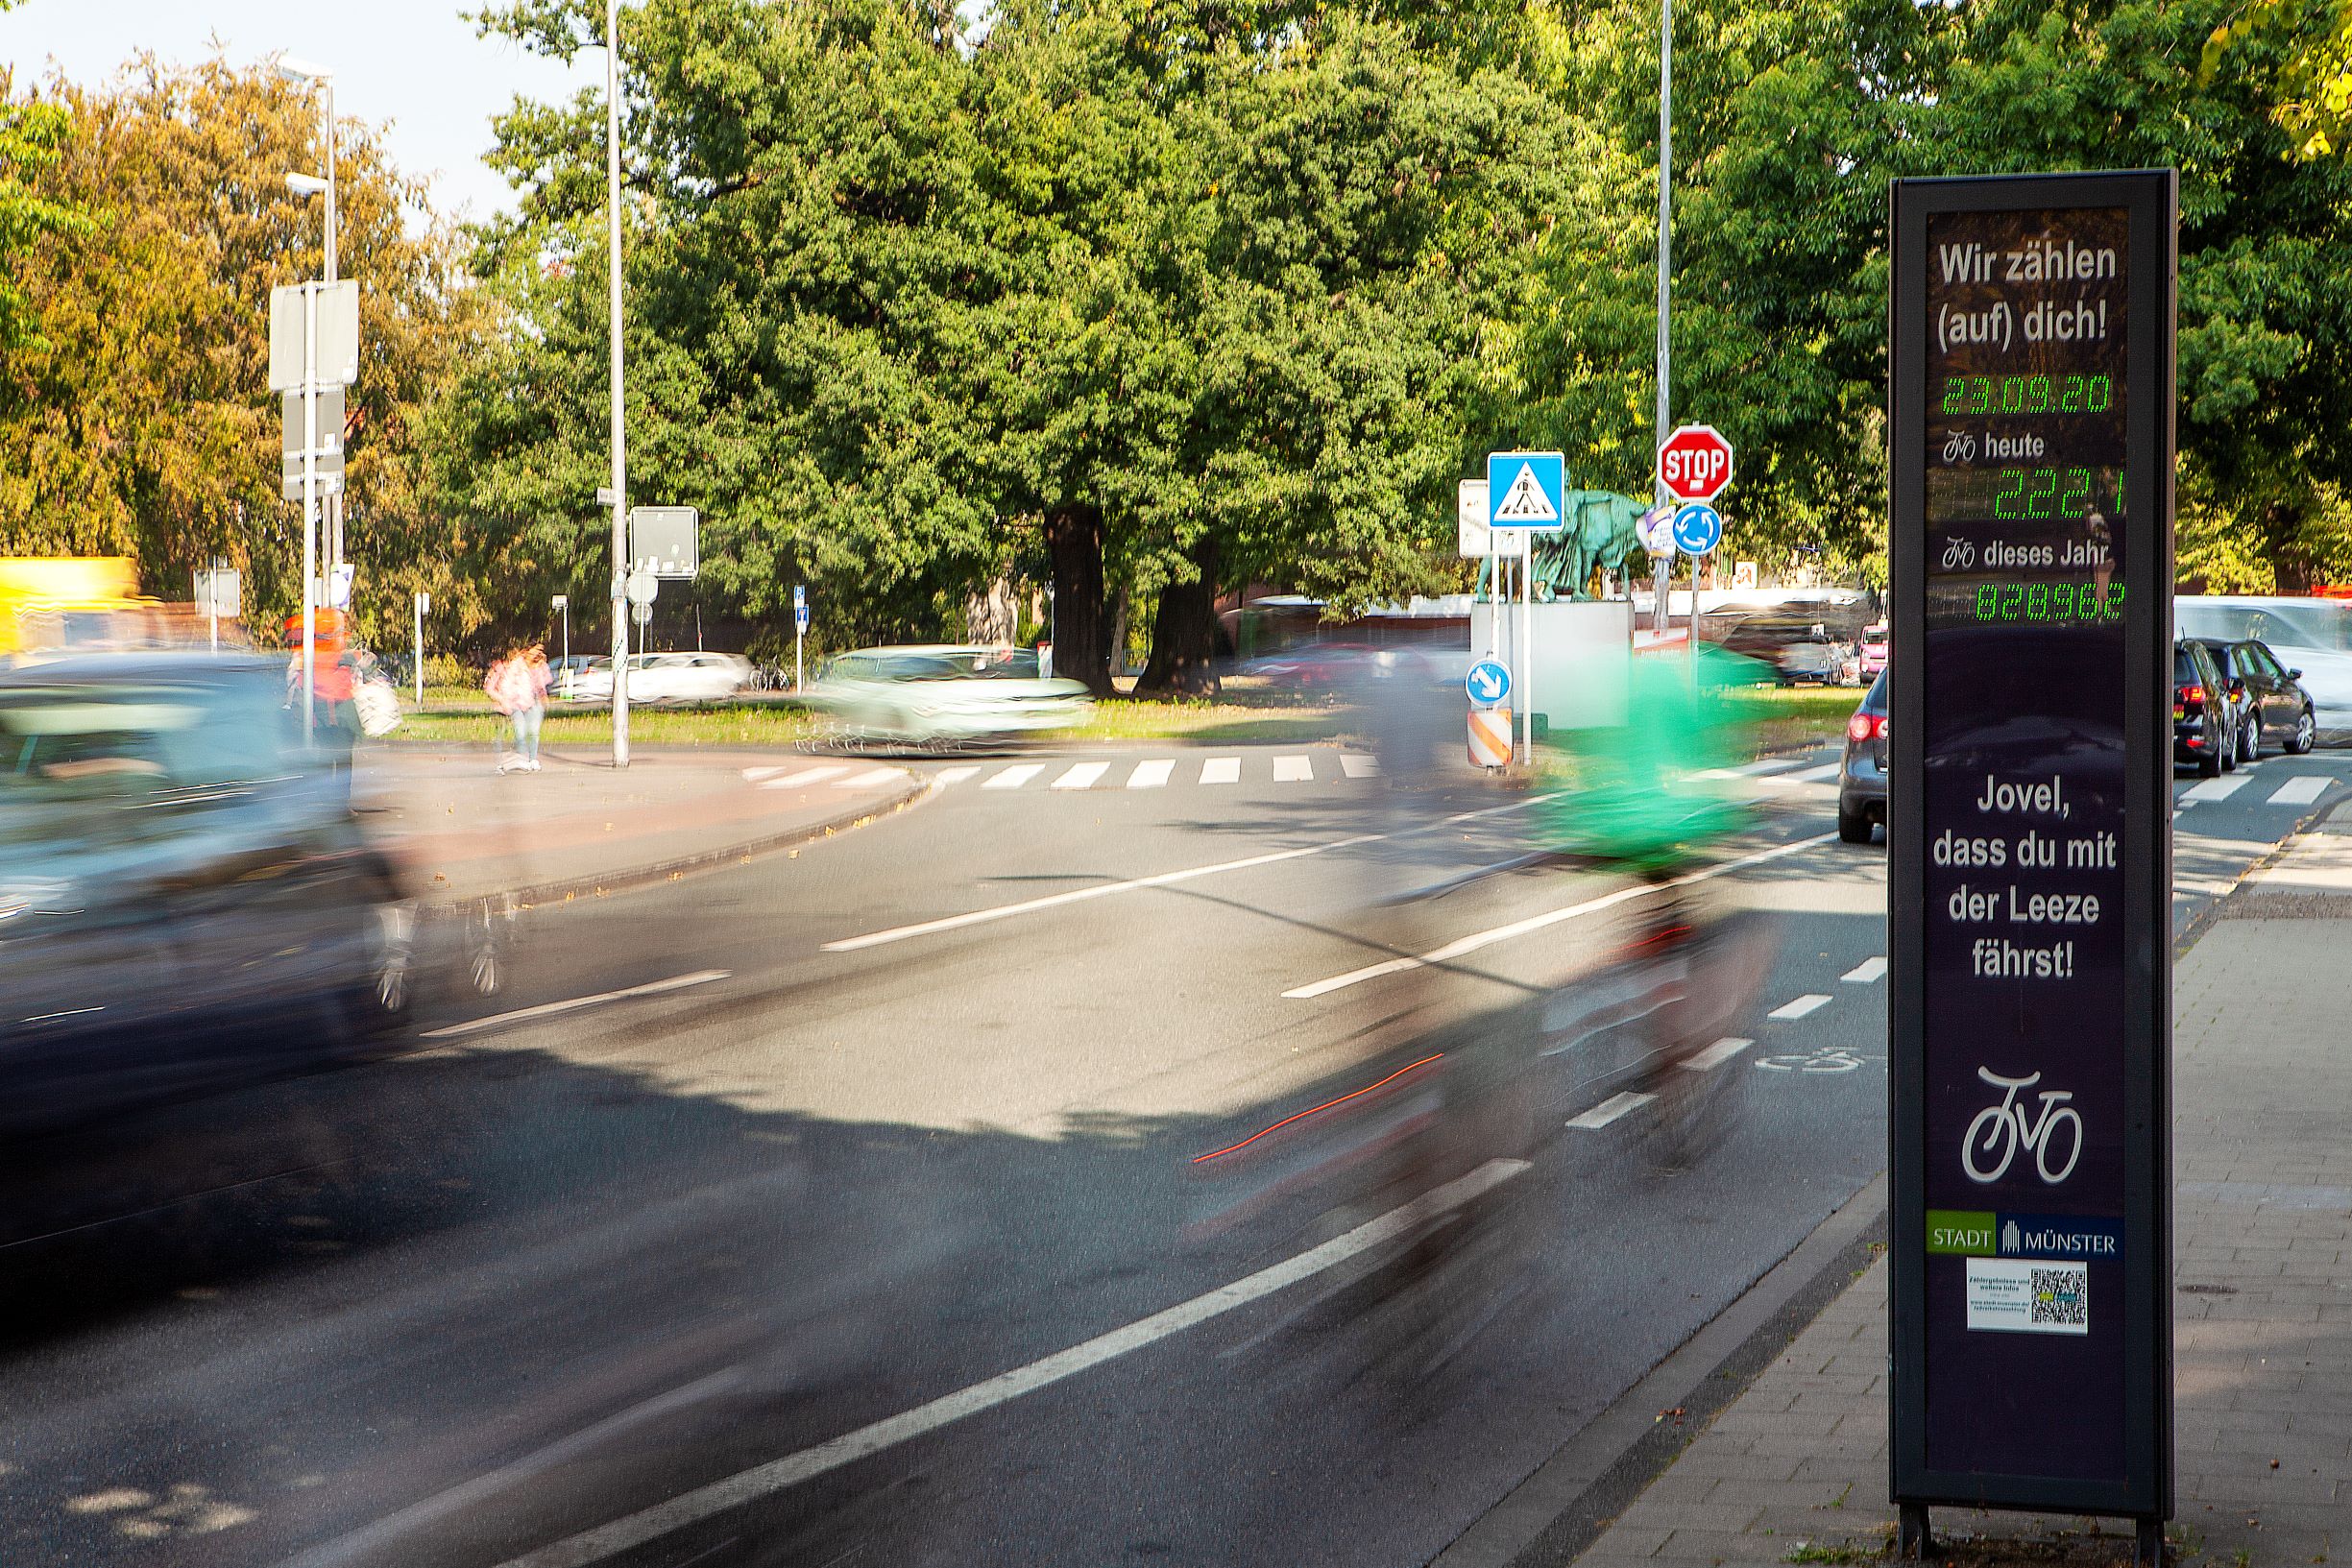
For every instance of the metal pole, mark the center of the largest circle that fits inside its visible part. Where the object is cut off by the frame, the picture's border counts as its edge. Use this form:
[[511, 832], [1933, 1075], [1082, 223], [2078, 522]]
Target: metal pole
[[1661, 576], [620, 462], [334, 503], [797, 635], [310, 496], [1527, 653], [416, 602]]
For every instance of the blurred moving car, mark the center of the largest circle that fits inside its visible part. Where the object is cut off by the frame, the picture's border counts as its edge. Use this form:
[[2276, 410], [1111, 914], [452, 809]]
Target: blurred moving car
[[943, 692], [1310, 669], [184, 897], [2204, 719], [1861, 774], [2314, 635], [1796, 649], [667, 677], [1873, 653], [2267, 696]]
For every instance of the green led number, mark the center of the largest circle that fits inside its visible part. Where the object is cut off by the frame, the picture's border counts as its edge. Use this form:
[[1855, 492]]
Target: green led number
[[2049, 603], [2012, 501], [2027, 395], [2043, 493]]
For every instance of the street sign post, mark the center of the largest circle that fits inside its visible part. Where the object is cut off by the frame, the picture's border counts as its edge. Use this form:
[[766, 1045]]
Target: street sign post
[[1488, 682], [1697, 528], [1526, 492], [314, 347], [800, 628], [219, 595], [1694, 463], [423, 602], [2031, 396]]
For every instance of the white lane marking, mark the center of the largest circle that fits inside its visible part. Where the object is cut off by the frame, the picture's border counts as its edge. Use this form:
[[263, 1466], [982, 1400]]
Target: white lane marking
[[1811, 1002], [763, 1481], [803, 779], [1169, 879], [1811, 775], [548, 1009], [1015, 776], [1865, 972], [482, 1487], [1716, 1054], [1768, 764], [1293, 770], [753, 775], [1081, 776], [2216, 789], [1151, 775], [1610, 1109], [1222, 770], [2301, 790], [1357, 766], [867, 780], [1535, 923], [953, 776]]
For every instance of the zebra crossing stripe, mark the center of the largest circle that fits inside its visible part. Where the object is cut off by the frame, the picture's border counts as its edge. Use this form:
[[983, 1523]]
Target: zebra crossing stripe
[[1610, 1109], [867, 780], [1151, 775], [1358, 768], [803, 779], [1081, 776], [2300, 791], [1015, 776], [953, 776], [1294, 769], [1220, 770]]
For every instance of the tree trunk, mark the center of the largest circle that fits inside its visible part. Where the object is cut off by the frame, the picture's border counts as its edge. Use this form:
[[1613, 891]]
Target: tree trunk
[[1082, 644], [1184, 634]]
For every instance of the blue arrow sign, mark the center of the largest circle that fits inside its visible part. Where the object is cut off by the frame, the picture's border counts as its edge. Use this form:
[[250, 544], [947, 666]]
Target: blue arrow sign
[[800, 595], [1523, 489], [1487, 681], [1698, 528]]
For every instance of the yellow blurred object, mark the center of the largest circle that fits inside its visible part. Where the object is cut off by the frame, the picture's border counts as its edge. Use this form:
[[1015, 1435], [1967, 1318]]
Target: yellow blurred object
[[51, 604]]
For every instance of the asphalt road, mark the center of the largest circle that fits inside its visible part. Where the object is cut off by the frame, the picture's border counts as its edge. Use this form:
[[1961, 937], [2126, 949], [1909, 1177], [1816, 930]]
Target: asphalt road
[[847, 1208]]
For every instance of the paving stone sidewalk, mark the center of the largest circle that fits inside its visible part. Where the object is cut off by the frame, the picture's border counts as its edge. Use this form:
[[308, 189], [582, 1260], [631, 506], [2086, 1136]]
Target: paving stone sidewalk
[[1795, 1470], [578, 826]]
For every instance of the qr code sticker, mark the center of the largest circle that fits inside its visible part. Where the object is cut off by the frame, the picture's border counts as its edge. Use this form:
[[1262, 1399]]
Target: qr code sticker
[[2062, 1297]]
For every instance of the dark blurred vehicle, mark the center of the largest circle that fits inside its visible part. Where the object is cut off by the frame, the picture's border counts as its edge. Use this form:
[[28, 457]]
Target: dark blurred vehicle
[[184, 897], [1311, 668], [1861, 775], [1795, 648], [2267, 695], [2204, 720], [1872, 655]]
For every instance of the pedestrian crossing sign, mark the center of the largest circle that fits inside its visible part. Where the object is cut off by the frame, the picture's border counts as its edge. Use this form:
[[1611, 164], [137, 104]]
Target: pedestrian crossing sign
[[1523, 489]]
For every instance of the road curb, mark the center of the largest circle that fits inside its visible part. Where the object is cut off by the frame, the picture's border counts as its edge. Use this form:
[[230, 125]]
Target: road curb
[[919, 787], [1549, 1519]]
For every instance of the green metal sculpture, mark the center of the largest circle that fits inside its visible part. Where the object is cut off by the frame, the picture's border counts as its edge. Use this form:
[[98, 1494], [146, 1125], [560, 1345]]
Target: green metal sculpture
[[1599, 532]]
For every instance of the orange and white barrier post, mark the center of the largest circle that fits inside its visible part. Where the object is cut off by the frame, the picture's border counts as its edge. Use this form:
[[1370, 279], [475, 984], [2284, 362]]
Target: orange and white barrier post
[[1490, 737]]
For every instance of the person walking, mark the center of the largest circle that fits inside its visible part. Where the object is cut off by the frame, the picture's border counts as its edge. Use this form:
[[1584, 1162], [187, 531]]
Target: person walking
[[542, 680], [513, 693]]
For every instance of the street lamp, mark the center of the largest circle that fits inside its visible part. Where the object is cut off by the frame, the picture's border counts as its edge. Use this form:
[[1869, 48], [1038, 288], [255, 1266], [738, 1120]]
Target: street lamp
[[563, 602], [301, 72]]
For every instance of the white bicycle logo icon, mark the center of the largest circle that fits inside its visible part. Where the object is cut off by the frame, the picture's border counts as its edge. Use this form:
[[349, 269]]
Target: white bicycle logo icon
[[2005, 1126], [1958, 553], [1959, 447]]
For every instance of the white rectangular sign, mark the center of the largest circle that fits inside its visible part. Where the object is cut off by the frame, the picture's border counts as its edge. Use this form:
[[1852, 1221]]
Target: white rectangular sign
[[2027, 1295], [1473, 538], [338, 359]]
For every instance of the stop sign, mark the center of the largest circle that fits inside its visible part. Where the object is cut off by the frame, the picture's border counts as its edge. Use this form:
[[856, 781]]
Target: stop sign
[[1694, 463]]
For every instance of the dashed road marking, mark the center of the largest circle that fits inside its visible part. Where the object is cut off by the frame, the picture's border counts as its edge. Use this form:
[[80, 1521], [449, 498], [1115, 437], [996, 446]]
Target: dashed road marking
[[1811, 775], [2216, 789], [1865, 972], [803, 779], [1151, 775], [1015, 776], [775, 1476], [1220, 770], [1081, 776], [1357, 766], [2301, 790], [572, 1004], [1810, 1001], [1768, 764], [1716, 1054], [1610, 1109], [1293, 770]]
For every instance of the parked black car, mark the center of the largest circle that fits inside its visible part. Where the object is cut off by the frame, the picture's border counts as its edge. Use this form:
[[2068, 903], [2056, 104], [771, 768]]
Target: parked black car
[[1862, 777], [2204, 718], [185, 897], [2265, 694]]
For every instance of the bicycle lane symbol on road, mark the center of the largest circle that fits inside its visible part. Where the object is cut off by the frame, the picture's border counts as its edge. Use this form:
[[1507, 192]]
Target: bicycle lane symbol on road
[[1826, 1059]]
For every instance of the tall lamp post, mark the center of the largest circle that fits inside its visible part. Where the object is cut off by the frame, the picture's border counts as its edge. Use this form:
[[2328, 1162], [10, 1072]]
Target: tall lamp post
[[322, 78], [1662, 579], [617, 496]]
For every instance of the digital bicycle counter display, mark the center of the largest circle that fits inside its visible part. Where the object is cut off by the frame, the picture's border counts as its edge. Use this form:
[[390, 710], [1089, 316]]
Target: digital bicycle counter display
[[2015, 898]]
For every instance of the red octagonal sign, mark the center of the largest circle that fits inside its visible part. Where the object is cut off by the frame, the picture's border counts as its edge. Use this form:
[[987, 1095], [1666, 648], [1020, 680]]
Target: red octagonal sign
[[1694, 463]]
